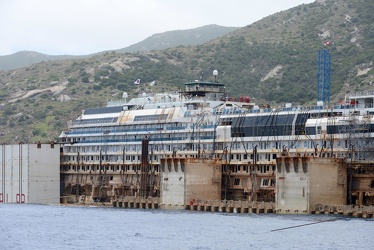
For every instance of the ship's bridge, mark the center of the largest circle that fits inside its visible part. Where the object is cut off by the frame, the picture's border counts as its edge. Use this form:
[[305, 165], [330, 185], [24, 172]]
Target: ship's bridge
[[210, 90]]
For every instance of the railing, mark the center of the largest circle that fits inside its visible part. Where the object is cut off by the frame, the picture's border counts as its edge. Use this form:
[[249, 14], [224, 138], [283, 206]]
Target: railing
[[144, 130], [353, 106], [362, 93]]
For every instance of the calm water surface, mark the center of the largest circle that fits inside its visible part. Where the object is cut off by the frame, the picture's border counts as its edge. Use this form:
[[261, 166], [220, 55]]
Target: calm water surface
[[26, 226]]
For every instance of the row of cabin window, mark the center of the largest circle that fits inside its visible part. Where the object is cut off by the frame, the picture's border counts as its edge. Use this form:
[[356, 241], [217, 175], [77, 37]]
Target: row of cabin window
[[240, 157], [157, 137], [135, 128], [134, 148], [109, 168], [247, 169], [181, 147], [291, 144], [263, 183]]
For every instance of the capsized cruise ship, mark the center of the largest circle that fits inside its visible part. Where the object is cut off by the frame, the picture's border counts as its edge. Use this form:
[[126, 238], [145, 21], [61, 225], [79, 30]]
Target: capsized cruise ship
[[197, 145]]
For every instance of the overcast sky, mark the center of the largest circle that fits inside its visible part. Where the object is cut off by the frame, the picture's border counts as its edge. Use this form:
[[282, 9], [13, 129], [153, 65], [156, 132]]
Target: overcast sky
[[80, 27]]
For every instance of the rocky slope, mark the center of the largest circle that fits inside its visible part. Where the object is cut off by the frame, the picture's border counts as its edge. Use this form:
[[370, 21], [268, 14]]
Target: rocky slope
[[273, 60]]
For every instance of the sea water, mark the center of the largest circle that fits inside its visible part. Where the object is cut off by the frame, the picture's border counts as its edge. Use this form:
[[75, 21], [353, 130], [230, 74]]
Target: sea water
[[26, 226]]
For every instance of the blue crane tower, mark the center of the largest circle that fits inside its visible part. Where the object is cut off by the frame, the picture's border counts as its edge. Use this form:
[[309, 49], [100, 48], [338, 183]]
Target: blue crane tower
[[324, 69]]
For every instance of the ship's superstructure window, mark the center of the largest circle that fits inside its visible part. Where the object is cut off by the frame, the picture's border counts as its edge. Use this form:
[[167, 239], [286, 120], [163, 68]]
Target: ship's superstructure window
[[235, 169], [237, 181], [225, 121], [264, 182], [150, 117], [337, 129], [94, 121], [310, 130], [268, 125], [319, 130], [267, 157], [103, 110]]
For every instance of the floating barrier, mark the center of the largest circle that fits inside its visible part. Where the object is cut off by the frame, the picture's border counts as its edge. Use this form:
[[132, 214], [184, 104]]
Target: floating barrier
[[137, 202], [230, 206], [347, 210]]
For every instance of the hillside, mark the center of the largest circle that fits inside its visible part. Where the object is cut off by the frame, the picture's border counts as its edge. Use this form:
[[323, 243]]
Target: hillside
[[273, 60], [179, 38], [26, 58], [159, 41]]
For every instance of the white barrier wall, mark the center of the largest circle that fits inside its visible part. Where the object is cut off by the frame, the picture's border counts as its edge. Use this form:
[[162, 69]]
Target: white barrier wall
[[172, 184], [292, 187], [186, 180], [304, 184], [30, 173]]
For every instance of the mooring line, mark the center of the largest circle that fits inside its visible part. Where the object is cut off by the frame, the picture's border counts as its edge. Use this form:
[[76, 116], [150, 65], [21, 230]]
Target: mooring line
[[279, 229]]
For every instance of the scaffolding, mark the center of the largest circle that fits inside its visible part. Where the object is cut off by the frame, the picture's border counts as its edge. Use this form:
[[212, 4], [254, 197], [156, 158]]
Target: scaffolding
[[324, 69], [358, 143]]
